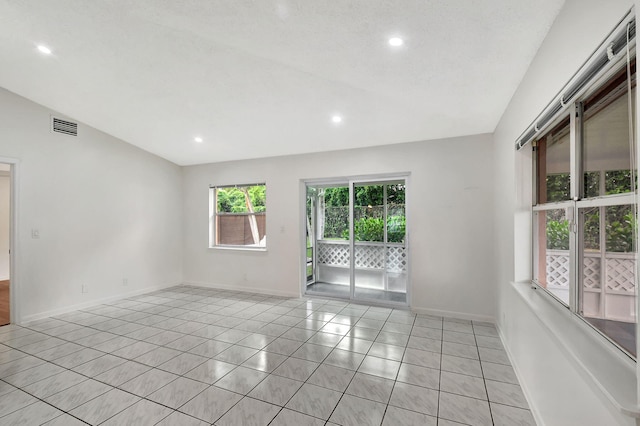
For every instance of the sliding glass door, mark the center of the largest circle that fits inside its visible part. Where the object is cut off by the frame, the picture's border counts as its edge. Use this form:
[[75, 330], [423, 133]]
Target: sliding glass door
[[356, 240], [327, 243]]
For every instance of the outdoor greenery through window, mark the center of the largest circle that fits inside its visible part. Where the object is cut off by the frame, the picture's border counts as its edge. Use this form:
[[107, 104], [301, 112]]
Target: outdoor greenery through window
[[584, 214], [239, 215], [368, 213]]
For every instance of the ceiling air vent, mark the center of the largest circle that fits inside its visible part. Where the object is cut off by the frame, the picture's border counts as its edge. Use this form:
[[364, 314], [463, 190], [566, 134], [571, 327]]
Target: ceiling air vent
[[64, 126]]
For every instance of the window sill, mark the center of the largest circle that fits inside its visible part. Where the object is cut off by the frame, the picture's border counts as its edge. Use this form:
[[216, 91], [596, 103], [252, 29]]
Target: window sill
[[602, 363], [239, 248]]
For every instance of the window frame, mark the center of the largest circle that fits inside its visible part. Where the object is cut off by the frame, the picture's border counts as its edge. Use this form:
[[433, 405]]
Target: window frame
[[578, 200], [214, 214]]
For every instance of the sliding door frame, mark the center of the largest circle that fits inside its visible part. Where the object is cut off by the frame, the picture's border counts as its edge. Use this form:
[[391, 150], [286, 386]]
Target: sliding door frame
[[351, 182]]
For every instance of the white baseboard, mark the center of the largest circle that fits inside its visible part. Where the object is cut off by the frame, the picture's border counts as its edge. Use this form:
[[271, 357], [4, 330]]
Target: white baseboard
[[247, 289], [453, 314], [88, 304], [523, 383]]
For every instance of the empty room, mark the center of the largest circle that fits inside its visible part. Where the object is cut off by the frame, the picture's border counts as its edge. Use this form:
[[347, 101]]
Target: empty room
[[288, 212]]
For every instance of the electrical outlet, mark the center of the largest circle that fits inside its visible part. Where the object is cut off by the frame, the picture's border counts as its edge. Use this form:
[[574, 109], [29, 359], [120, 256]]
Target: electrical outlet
[[85, 288], [125, 281], [35, 233]]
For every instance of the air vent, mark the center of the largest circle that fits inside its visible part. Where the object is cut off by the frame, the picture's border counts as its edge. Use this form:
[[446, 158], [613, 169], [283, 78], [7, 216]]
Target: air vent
[[64, 126]]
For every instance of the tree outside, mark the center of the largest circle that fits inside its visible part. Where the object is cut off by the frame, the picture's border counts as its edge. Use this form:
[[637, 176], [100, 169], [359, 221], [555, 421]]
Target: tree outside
[[232, 199]]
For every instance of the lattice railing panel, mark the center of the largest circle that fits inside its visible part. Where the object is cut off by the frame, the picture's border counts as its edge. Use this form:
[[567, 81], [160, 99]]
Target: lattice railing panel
[[591, 271], [367, 256], [620, 271], [621, 275], [396, 259], [333, 254], [370, 257], [558, 270]]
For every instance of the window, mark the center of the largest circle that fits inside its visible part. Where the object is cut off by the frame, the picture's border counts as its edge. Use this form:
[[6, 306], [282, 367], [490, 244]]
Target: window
[[584, 214], [238, 216]]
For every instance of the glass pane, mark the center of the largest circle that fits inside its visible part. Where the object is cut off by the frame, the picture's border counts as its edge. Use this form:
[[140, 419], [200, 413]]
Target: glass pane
[[396, 251], [368, 230], [591, 184], [328, 241], [609, 289], [380, 263], [606, 141], [396, 216], [240, 218], [591, 262], [552, 252], [334, 203], [553, 165]]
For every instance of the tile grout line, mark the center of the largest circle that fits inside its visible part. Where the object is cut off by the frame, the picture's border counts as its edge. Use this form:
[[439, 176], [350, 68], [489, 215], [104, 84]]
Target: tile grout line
[[111, 314]]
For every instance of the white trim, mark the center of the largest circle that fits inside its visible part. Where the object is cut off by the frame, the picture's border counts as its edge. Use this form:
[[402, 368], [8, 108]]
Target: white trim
[[607, 200], [571, 333], [553, 206], [213, 213], [91, 303], [454, 314], [302, 242], [244, 289], [239, 248], [523, 383]]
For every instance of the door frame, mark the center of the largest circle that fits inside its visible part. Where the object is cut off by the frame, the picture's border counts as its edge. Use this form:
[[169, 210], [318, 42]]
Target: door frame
[[15, 311], [351, 181]]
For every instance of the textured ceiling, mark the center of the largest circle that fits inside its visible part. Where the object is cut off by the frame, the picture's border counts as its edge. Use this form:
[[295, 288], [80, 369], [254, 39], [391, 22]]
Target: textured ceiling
[[264, 77]]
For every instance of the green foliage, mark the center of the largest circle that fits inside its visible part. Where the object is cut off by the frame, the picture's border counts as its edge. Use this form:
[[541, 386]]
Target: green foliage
[[620, 229], [396, 228], [368, 213], [591, 184], [368, 195], [558, 234], [336, 221], [592, 228], [367, 229], [617, 181], [619, 224], [558, 187], [232, 199], [372, 229]]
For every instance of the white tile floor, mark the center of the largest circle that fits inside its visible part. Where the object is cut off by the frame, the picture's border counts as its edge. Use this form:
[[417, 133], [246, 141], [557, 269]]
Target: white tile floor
[[195, 356]]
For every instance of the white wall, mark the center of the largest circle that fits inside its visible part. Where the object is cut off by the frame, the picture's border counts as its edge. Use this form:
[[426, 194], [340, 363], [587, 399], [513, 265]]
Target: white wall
[[560, 391], [5, 214], [104, 209], [449, 197]]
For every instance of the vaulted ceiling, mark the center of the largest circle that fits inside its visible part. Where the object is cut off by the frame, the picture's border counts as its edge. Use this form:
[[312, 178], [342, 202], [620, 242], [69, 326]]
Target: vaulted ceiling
[[258, 78]]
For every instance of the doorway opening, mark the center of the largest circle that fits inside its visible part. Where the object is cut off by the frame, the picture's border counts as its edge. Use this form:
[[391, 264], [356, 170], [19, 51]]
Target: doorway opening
[[5, 244], [356, 245]]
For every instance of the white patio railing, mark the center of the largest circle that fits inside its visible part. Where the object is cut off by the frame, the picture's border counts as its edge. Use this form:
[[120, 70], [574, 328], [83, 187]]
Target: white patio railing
[[391, 257], [610, 295], [377, 265]]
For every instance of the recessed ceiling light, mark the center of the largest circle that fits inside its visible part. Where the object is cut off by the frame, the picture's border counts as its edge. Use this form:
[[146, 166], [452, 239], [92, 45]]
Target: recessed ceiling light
[[198, 139], [396, 41], [44, 49], [336, 119]]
